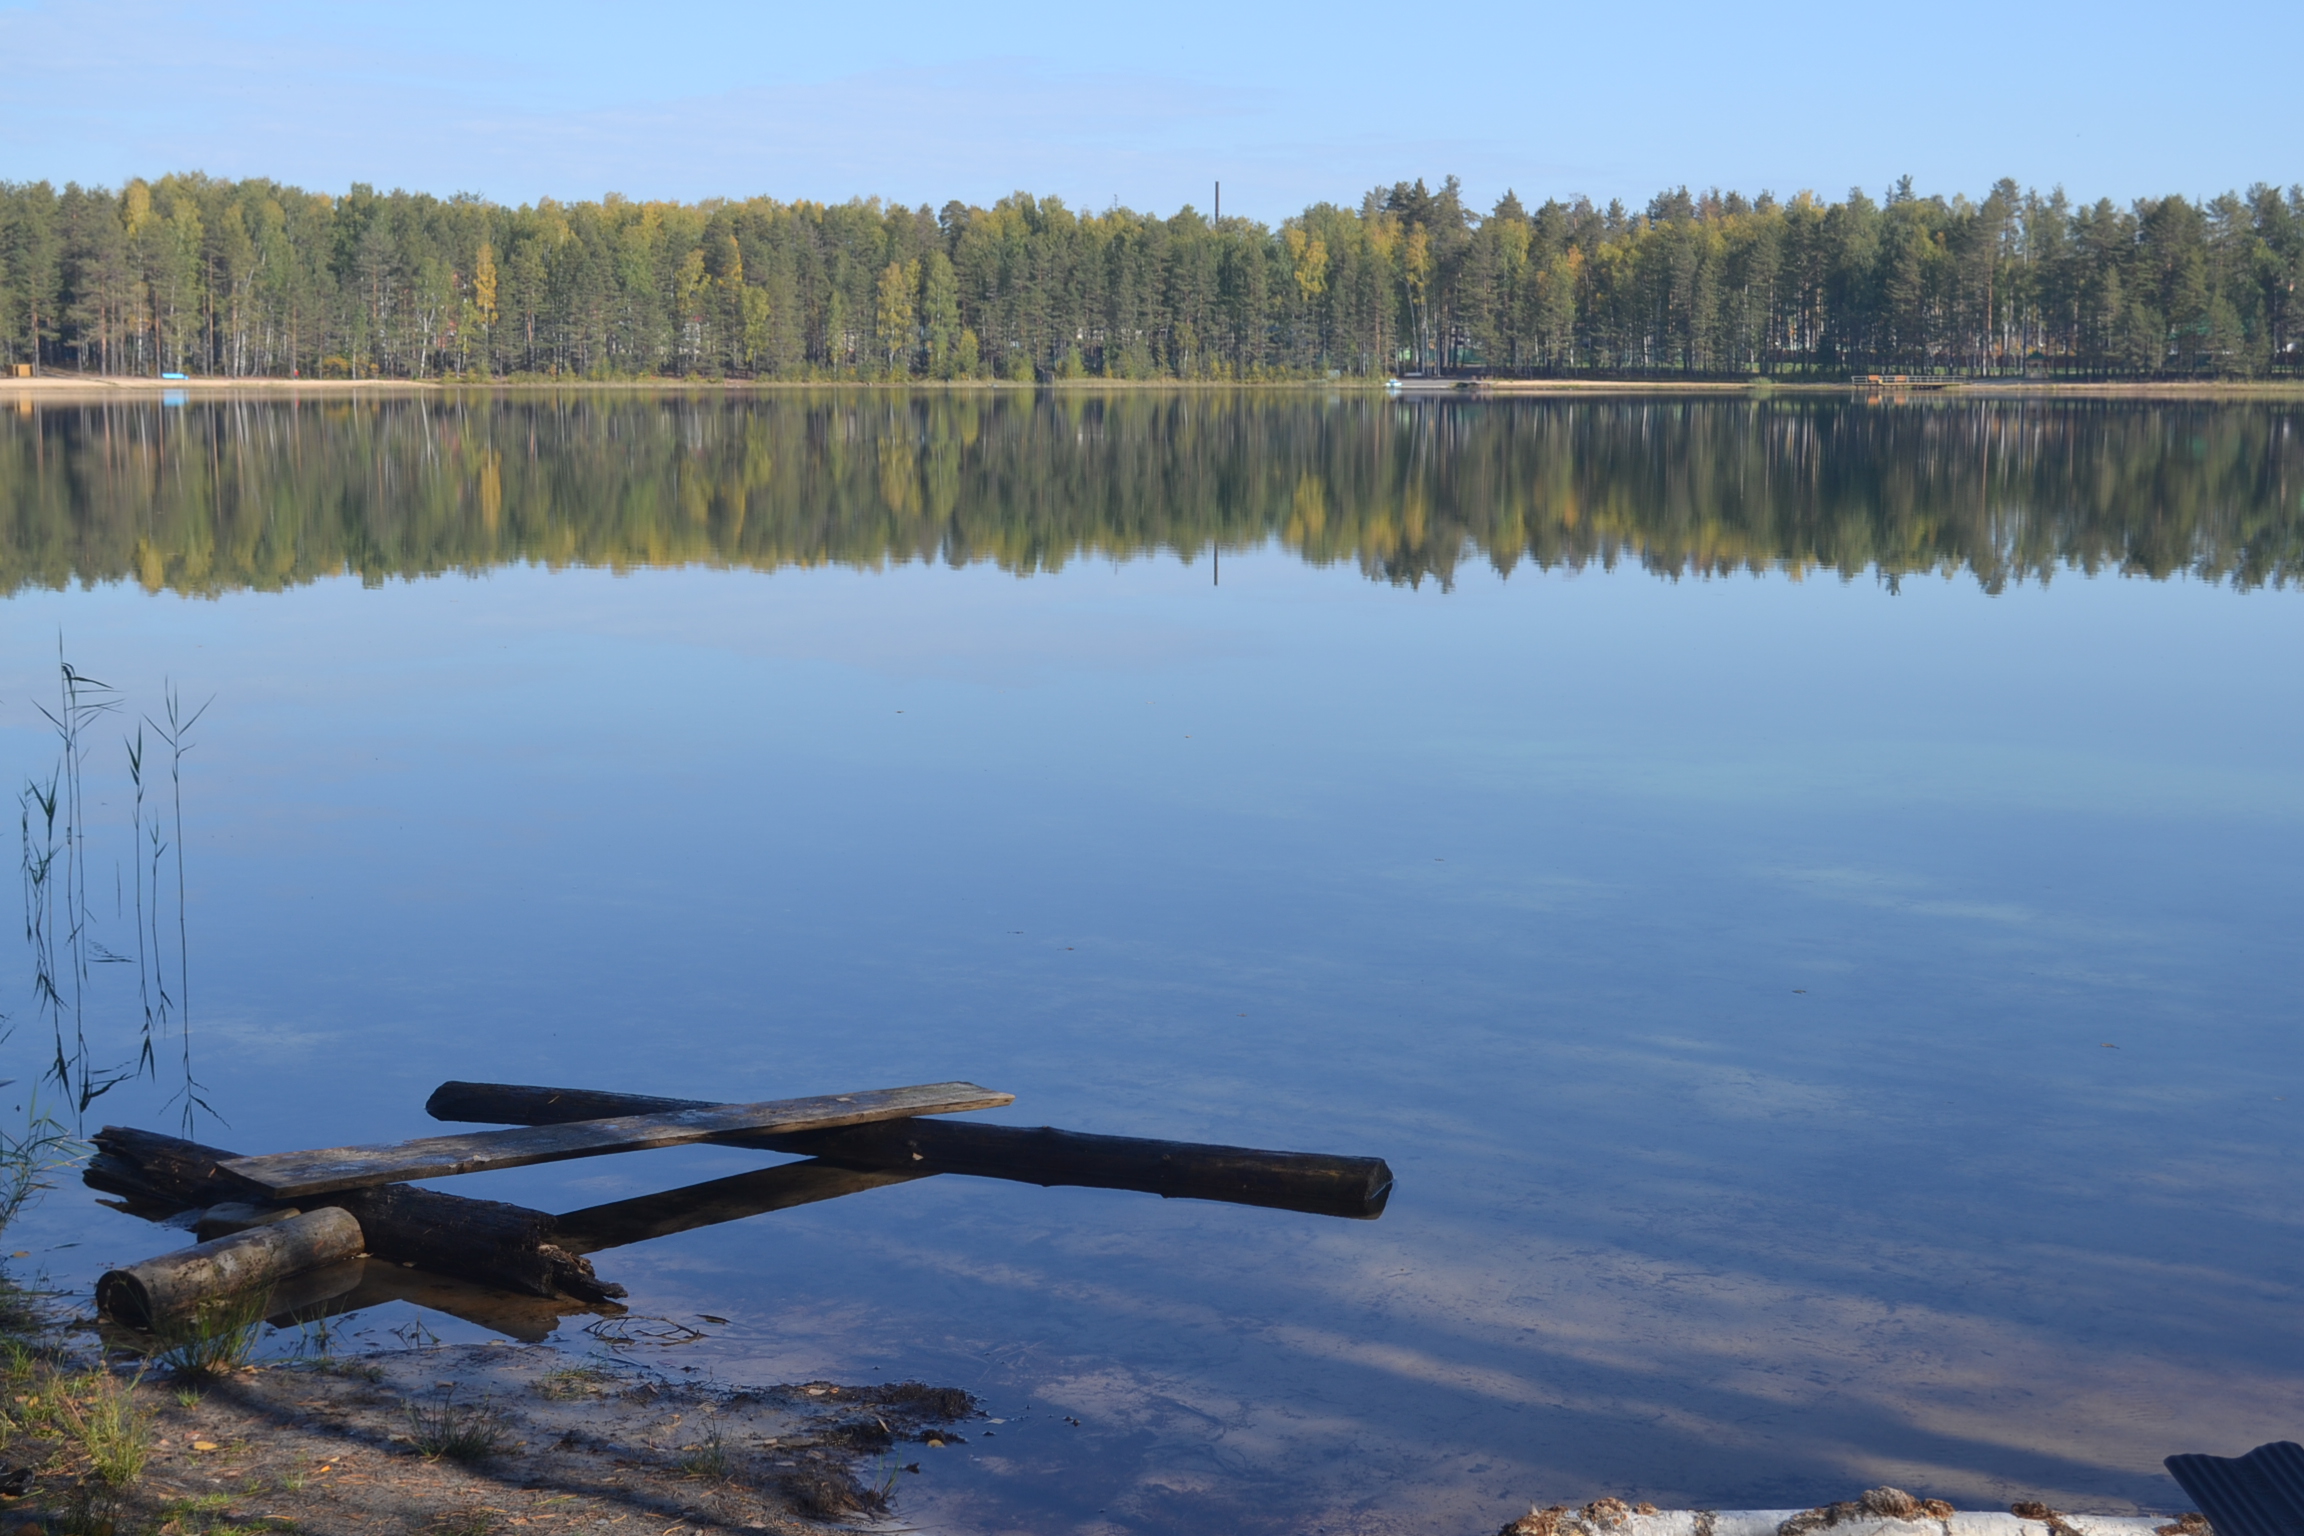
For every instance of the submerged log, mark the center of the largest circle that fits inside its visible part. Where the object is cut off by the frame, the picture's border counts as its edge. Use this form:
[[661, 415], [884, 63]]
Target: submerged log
[[237, 1216], [530, 1319], [315, 1292], [482, 1240], [249, 1262], [621, 1222], [1311, 1182], [289, 1175]]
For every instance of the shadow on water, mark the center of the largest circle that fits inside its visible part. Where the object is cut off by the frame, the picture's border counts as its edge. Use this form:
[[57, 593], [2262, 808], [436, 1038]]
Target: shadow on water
[[242, 493]]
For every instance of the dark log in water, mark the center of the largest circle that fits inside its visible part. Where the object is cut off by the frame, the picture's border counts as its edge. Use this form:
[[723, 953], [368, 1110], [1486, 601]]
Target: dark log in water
[[294, 1175], [1312, 1182], [530, 1319], [177, 1284], [621, 1222], [161, 1175], [316, 1292], [483, 1240]]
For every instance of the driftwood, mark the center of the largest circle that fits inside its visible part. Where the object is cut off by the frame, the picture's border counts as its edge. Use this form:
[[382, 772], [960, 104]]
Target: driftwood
[[291, 1175], [854, 1142], [487, 1241], [251, 1261], [623, 1222], [1312, 1182], [482, 1242]]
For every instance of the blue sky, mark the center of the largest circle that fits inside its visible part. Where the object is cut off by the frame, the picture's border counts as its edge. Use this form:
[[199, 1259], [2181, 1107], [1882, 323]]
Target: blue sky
[[1150, 104]]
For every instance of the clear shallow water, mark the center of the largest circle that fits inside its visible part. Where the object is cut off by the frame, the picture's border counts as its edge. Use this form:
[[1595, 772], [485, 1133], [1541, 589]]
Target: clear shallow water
[[1726, 966]]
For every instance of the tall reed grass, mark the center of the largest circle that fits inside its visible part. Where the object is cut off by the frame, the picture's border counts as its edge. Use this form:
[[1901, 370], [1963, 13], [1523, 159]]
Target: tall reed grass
[[63, 929]]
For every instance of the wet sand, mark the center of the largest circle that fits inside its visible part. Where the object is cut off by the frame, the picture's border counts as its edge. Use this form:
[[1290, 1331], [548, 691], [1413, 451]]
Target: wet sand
[[463, 1440]]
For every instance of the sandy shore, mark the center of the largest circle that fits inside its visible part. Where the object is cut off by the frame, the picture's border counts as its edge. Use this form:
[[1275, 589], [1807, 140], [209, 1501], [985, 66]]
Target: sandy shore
[[486, 1439], [468, 1440]]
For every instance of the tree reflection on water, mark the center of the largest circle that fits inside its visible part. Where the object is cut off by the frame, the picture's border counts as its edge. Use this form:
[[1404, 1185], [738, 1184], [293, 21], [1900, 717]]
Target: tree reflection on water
[[242, 492]]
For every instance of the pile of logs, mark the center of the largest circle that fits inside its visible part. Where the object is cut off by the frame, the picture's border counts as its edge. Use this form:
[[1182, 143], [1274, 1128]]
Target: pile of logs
[[265, 1221]]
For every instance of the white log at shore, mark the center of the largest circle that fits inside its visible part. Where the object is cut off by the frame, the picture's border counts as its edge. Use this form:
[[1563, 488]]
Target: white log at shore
[[1768, 1522]]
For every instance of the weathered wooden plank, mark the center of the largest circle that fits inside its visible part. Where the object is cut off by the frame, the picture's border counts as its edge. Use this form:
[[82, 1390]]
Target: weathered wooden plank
[[289, 1175], [1315, 1183]]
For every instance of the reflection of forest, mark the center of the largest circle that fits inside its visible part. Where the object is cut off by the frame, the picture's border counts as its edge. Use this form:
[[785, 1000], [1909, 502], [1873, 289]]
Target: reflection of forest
[[245, 493]]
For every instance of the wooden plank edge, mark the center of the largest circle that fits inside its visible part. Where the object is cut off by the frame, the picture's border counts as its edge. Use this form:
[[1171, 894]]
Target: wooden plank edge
[[292, 1175]]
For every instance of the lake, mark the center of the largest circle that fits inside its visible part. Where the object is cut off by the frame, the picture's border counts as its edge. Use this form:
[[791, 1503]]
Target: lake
[[1805, 892]]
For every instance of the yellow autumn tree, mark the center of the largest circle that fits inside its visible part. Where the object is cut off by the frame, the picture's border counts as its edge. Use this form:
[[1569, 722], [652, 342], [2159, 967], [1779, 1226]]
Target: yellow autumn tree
[[1308, 257], [480, 309], [894, 313], [1416, 271], [484, 286]]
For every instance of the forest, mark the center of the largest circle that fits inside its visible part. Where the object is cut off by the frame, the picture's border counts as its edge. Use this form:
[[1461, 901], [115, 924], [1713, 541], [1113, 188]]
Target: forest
[[206, 277], [230, 493]]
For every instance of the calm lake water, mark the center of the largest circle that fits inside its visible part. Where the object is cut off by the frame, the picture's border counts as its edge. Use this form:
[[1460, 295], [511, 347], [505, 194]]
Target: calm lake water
[[1807, 896]]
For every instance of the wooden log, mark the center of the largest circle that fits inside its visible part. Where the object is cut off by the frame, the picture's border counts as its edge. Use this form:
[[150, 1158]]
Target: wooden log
[[290, 1175], [1311, 1182], [299, 1298], [164, 1174], [706, 1205], [178, 1284], [481, 1240]]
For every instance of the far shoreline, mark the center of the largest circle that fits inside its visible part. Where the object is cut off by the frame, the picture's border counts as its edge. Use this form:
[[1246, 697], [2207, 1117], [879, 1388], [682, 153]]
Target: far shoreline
[[65, 386]]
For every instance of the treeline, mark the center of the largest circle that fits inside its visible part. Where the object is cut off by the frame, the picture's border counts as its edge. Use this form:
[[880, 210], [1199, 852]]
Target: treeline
[[200, 276], [237, 493]]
